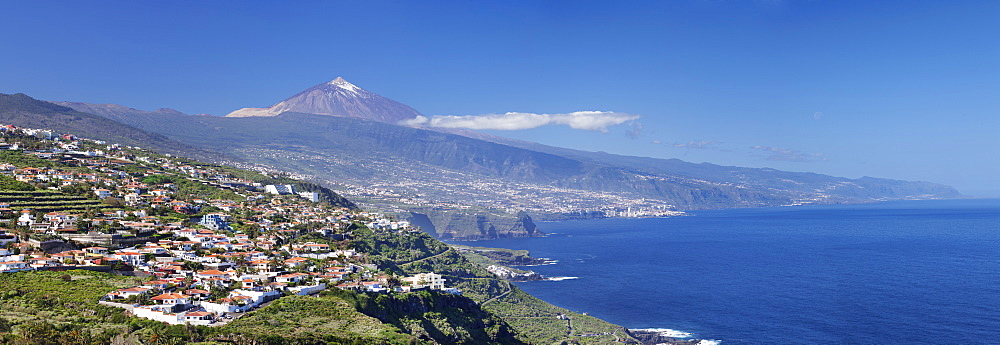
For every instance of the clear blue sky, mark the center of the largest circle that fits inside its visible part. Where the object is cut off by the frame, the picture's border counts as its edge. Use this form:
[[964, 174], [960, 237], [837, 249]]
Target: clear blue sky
[[896, 89]]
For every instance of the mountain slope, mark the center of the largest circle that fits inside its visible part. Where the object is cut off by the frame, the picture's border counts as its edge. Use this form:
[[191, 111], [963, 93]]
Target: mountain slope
[[866, 187], [545, 164], [22, 110], [354, 142], [337, 97], [120, 113], [439, 175]]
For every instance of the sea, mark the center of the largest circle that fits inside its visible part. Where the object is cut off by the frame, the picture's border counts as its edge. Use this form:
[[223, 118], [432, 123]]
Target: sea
[[904, 272]]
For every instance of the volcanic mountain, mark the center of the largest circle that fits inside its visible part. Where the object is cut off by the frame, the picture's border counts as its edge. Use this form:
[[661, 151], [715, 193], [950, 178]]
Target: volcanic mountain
[[337, 97]]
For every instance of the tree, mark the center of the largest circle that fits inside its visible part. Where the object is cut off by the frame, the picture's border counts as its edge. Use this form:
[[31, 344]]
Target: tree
[[78, 189], [252, 230], [5, 326], [120, 266], [83, 225], [393, 282], [39, 332], [218, 292]]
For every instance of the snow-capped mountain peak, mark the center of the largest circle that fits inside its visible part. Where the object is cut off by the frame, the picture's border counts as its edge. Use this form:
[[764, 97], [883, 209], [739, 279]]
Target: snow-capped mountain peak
[[344, 84], [337, 97]]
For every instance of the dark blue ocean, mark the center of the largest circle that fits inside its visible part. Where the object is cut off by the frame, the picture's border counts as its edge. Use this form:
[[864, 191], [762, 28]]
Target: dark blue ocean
[[896, 272]]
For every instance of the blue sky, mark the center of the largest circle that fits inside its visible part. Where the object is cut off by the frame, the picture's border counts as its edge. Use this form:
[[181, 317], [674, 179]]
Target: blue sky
[[895, 89]]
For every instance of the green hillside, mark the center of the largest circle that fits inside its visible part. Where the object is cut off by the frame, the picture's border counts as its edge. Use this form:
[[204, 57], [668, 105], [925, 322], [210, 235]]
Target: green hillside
[[49, 307]]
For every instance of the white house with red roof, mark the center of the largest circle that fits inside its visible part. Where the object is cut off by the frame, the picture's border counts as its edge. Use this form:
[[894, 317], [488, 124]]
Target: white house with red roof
[[196, 317], [14, 266], [102, 193], [209, 274], [291, 277], [41, 262], [197, 293], [296, 261], [157, 284], [171, 298]]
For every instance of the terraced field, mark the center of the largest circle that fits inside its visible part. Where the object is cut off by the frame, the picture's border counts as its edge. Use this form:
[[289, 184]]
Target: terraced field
[[48, 201]]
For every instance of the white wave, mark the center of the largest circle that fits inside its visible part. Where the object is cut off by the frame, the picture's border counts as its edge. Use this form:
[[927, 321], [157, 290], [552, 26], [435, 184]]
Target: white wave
[[547, 262], [666, 332], [709, 342], [556, 279]]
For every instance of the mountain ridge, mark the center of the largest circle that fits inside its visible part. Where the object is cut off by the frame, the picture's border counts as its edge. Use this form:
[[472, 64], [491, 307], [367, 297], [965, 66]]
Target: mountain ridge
[[493, 175], [23, 110], [555, 157]]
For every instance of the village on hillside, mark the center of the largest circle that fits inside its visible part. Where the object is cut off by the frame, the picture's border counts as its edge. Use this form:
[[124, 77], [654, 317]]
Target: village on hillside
[[208, 244]]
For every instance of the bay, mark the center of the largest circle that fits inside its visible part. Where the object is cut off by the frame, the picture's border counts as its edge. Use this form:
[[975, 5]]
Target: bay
[[894, 272]]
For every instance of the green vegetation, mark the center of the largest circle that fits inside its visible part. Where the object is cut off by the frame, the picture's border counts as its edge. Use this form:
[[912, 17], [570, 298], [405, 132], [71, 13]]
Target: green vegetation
[[61, 308], [392, 248], [45, 307], [430, 315], [9, 183], [341, 316], [193, 189], [22, 160], [49, 201], [502, 256], [311, 320], [537, 320], [534, 320]]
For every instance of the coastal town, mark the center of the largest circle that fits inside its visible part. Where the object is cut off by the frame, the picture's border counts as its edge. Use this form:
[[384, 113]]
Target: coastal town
[[206, 244], [406, 188]]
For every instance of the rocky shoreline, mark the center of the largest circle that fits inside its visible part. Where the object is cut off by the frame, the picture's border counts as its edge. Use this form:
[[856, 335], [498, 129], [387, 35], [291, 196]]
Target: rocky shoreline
[[513, 275], [667, 336]]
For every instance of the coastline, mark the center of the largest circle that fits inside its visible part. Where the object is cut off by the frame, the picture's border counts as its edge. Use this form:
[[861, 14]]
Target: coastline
[[656, 336], [681, 250], [501, 261]]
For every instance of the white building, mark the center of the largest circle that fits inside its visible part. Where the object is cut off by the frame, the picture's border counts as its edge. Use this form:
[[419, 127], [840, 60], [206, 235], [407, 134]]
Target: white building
[[431, 280], [164, 314], [14, 266], [280, 189], [311, 196]]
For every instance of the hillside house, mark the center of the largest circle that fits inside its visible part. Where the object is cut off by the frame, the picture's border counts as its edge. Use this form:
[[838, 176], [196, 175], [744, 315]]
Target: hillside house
[[430, 280], [172, 299]]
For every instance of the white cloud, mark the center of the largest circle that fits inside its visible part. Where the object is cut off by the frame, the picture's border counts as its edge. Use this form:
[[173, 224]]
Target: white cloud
[[416, 121], [635, 130], [585, 120]]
